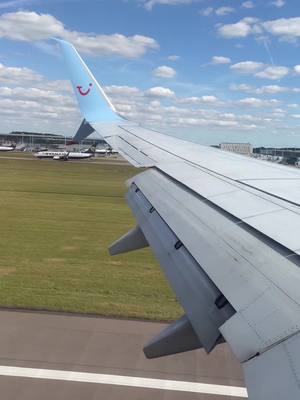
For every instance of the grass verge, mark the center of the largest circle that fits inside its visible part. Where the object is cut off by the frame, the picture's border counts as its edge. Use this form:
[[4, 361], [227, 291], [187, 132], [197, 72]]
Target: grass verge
[[57, 220]]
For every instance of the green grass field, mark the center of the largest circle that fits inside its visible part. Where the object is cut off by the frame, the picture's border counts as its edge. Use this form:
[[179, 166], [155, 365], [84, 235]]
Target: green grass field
[[57, 221]]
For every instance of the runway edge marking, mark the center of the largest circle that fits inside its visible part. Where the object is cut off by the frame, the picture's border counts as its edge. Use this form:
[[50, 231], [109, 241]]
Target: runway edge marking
[[120, 380]]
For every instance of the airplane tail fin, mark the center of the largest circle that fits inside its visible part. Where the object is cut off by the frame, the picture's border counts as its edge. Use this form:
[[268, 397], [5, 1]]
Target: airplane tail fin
[[93, 102]]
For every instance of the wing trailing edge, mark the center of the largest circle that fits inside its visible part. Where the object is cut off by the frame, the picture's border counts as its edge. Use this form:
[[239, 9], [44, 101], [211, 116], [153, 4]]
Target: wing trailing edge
[[197, 294], [275, 374]]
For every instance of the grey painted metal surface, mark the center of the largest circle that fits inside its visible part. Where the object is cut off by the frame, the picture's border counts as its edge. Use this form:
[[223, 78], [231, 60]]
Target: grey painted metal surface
[[271, 216], [243, 204], [178, 337], [285, 188], [277, 369], [133, 153], [260, 283], [260, 280], [132, 240], [196, 293], [163, 150], [281, 225], [84, 130], [274, 179]]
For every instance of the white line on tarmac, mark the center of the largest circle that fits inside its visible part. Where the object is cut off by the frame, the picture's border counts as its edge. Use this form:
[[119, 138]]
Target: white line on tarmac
[[86, 377]]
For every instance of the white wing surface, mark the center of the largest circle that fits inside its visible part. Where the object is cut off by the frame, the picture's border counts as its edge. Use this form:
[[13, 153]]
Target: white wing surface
[[225, 229]]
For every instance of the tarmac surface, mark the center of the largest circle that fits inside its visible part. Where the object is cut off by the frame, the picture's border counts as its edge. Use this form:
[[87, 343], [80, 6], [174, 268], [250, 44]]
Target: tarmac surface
[[64, 356]]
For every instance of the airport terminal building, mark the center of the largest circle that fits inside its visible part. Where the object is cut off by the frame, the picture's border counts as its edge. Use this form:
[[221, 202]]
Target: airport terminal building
[[240, 148], [34, 141]]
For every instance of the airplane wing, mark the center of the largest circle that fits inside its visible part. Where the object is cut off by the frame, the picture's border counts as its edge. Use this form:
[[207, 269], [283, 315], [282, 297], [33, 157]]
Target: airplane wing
[[225, 229]]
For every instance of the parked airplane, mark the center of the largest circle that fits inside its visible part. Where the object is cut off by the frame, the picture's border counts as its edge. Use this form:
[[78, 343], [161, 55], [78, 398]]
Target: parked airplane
[[92, 150], [225, 229], [7, 148], [63, 155], [106, 151]]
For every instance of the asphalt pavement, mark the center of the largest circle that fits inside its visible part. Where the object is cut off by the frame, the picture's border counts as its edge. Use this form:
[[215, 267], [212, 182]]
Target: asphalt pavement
[[64, 356]]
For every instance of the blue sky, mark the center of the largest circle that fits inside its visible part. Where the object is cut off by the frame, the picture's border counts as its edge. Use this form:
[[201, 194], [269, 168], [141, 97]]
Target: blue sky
[[206, 70]]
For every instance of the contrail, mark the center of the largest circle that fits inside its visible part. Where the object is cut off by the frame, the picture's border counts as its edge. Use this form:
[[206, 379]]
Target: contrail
[[267, 47]]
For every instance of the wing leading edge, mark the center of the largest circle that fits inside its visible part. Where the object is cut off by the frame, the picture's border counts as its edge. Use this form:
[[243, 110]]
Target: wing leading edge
[[212, 220]]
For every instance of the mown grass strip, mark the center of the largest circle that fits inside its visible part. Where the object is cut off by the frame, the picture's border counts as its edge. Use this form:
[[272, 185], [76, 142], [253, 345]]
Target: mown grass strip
[[56, 222]]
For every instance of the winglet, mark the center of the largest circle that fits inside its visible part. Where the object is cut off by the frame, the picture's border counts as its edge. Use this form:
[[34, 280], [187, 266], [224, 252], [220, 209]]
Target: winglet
[[93, 102]]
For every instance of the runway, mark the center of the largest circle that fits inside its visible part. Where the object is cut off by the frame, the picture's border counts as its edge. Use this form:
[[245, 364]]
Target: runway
[[61, 356]]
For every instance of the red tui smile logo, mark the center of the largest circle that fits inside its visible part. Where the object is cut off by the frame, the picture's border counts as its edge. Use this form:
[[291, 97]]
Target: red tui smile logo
[[84, 93]]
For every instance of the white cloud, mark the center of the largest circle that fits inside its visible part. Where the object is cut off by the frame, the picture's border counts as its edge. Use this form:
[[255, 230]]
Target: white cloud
[[124, 108], [46, 110], [189, 100], [34, 108], [207, 99], [206, 11], [193, 121], [155, 103], [18, 76], [37, 95], [173, 58], [164, 72], [149, 4], [220, 60], [243, 87], [31, 26], [221, 11], [247, 67], [48, 106], [15, 3], [271, 89], [248, 4], [255, 102], [277, 3], [240, 29], [27, 26], [287, 29], [29, 101], [297, 69], [122, 90], [273, 73], [159, 91], [268, 89]]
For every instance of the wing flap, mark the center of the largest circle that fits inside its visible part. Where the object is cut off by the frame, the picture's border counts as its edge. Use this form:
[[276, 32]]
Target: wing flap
[[259, 282], [275, 374], [195, 291]]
